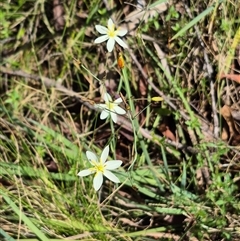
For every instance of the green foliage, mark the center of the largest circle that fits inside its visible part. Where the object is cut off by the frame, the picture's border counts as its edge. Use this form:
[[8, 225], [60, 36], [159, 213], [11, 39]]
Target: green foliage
[[13, 100], [178, 180]]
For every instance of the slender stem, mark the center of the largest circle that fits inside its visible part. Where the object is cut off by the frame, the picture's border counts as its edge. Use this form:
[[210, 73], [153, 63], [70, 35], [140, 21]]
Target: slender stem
[[137, 134]]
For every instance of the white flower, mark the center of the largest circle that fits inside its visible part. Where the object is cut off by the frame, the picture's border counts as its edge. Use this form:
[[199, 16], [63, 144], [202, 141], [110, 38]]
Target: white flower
[[101, 167], [111, 108], [110, 35]]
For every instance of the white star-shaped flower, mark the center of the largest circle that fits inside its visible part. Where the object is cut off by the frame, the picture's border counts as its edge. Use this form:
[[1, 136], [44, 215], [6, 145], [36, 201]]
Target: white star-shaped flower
[[101, 168], [110, 108], [110, 35]]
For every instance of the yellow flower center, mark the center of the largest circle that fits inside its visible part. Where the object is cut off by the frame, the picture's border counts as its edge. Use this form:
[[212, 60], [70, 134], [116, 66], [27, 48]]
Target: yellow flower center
[[97, 167], [111, 31], [110, 105]]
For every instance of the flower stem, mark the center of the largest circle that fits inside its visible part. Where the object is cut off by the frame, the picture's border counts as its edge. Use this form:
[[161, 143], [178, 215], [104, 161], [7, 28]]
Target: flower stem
[[135, 126]]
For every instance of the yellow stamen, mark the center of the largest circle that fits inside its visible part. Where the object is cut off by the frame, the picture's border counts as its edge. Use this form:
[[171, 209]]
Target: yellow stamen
[[110, 105]]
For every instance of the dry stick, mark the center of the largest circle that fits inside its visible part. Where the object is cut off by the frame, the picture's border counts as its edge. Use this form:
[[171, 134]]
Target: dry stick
[[48, 83], [162, 57], [125, 123], [210, 74], [154, 138]]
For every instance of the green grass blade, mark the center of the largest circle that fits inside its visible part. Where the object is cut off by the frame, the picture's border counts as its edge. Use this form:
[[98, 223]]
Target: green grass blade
[[70, 150], [24, 218], [193, 22], [6, 236], [27, 171]]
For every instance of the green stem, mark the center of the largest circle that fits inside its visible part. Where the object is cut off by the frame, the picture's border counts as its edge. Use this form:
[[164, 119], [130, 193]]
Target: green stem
[[137, 135]]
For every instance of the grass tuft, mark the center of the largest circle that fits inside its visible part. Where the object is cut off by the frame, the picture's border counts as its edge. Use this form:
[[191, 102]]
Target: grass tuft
[[178, 141]]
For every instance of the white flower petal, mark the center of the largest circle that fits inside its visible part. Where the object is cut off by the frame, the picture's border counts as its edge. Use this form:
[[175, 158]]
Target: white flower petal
[[121, 32], [91, 156], [97, 181], [104, 114], [120, 42], [85, 173], [107, 98], [100, 106], [110, 44], [101, 29], [104, 154], [111, 165], [101, 39], [118, 100], [110, 24], [119, 110], [114, 117], [111, 176]]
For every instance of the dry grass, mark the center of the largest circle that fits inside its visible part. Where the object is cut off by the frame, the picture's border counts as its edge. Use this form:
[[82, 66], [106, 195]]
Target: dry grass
[[180, 172]]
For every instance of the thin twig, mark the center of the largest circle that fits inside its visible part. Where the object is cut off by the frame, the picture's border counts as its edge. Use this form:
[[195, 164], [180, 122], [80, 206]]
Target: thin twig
[[162, 58], [123, 121]]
